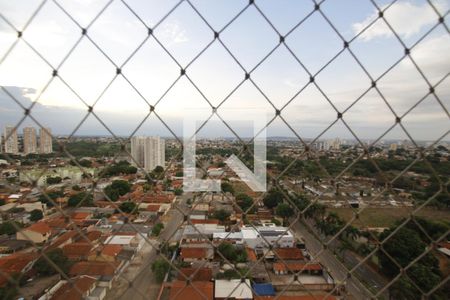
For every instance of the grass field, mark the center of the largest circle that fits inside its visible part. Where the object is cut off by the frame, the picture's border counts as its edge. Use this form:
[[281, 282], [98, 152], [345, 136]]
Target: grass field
[[385, 217]]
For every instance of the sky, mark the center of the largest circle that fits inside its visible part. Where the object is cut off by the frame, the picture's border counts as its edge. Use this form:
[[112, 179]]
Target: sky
[[276, 83]]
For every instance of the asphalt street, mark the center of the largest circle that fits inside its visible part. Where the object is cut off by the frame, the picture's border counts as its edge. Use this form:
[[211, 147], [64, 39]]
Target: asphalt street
[[144, 285]]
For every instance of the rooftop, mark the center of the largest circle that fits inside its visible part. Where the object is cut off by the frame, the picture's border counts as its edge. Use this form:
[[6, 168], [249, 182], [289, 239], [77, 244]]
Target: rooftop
[[200, 274], [296, 267], [93, 268], [39, 227], [72, 291], [233, 288], [289, 253], [194, 253], [197, 290]]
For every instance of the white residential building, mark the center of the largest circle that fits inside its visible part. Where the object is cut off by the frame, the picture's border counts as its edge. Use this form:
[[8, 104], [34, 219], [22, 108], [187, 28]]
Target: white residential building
[[29, 140], [45, 140], [10, 140], [263, 235], [148, 152]]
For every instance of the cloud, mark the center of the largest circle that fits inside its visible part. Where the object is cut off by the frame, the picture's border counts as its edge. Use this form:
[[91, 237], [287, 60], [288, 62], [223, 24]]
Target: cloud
[[399, 16], [173, 33]]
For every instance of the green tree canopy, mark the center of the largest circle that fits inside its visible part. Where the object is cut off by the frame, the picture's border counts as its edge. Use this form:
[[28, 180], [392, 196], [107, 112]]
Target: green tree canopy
[[227, 187], [244, 201], [284, 210], [54, 180], [160, 267], [128, 207], [116, 189], [221, 215], [156, 230], [81, 199], [43, 266], [273, 198], [36, 215]]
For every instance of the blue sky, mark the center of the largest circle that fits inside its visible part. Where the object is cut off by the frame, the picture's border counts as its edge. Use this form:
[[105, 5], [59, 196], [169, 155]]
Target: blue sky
[[249, 38]]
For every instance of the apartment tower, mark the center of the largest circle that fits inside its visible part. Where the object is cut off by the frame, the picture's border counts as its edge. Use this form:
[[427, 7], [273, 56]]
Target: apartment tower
[[29, 140], [10, 140], [45, 140], [148, 152]]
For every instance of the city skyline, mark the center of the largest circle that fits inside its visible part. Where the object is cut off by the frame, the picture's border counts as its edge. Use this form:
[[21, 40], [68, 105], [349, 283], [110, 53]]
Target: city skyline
[[28, 143], [216, 74]]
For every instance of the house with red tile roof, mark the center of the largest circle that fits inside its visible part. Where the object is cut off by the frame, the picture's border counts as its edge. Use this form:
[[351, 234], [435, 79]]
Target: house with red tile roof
[[194, 274], [288, 254], [191, 254], [197, 290], [281, 268], [38, 233], [94, 268], [105, 253], [17, 263], [77, 251], [80, 288], [64, 239]]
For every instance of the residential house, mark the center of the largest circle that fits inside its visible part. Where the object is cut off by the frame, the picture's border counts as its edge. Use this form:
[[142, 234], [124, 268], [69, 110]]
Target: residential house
[[77, 251], [192, 254], [107, 253], [232, 289], [38, 233], [15, 264], [80, 288], [197, 290]]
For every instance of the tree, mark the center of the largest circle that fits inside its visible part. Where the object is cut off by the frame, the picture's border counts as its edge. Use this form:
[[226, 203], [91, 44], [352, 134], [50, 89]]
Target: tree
[[244, 201], [121, 186], [227, 188], [111, 193], [158, 170], [156, 230], [9, 228], [160, 267], [54, 180], [81, 199], [85, 163], [116, 189], [404, 246], [284, 210], [43, 266], [221, 215], [228, 251], [178, 192], [273, 198], [231, 253], [36, 215], [128, 207]]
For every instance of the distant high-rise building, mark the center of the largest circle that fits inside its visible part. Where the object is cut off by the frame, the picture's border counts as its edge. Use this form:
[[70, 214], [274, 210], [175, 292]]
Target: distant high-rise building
[[137, 150], [148, 152], [393, 147], [10, 139], [29, 140], [45, 140]]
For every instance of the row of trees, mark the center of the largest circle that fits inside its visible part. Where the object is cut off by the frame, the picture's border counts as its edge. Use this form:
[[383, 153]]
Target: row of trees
[[120, 168], [406, 245]]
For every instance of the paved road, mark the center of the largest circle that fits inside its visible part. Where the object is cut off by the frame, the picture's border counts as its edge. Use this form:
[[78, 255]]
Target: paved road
[[144, 285], [339, 272], [365, 273]]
